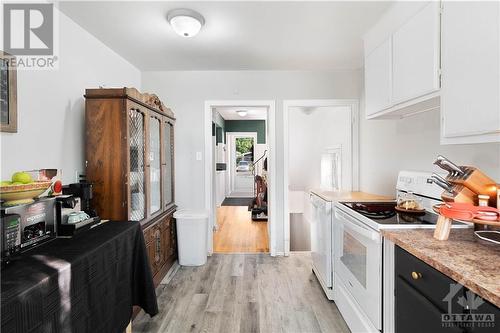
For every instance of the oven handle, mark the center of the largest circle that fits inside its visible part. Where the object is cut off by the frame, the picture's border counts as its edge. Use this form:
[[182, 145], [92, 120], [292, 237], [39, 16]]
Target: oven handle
[[357, 226]]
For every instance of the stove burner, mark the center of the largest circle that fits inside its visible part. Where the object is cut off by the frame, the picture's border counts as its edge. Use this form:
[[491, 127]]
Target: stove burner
[[385, 213], [375, 211]]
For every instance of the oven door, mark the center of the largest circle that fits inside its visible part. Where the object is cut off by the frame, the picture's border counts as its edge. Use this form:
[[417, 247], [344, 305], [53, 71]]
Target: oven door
[[358, 263]]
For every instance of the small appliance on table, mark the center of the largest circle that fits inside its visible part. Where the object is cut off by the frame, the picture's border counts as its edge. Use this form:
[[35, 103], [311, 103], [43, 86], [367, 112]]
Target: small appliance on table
[[71, 219], [27, 225], [358, 245]]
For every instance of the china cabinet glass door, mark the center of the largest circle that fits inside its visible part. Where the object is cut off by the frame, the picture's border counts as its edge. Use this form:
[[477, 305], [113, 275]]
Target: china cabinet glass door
[[155, 165], [137, 148], [168, 163]]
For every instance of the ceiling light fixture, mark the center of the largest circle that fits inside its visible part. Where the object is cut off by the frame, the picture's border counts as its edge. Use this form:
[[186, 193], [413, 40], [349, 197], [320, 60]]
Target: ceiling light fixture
[[242, 113], [185, 22]]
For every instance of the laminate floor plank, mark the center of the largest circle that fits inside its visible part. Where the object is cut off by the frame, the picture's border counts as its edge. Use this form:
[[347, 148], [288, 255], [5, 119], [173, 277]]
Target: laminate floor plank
[[245, 293], [192, 319]]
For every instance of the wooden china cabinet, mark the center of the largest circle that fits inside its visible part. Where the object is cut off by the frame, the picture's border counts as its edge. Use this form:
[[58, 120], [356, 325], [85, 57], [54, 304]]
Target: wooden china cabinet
[[130, 161]]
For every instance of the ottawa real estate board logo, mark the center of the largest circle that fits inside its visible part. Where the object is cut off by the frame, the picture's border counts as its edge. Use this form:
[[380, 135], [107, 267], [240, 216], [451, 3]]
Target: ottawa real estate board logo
[[465, 310], [30, 35]]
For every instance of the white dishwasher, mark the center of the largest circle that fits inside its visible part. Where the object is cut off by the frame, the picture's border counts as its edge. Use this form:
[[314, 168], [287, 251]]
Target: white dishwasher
[[322, 242]]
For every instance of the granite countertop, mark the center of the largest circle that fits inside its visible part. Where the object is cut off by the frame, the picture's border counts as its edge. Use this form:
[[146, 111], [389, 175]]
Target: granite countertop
[[472, 263], [349, 196]]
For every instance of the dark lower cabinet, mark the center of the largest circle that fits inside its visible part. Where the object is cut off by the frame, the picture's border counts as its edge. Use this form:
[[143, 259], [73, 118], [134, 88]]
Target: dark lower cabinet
[[161, 245], [428, 301]]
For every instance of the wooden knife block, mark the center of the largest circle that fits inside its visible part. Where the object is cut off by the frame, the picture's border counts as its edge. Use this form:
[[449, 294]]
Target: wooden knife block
[[460, 194], [478, 182]]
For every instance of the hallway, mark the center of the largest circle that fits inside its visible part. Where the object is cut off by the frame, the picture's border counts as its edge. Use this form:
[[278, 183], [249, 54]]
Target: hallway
[[237, 233]]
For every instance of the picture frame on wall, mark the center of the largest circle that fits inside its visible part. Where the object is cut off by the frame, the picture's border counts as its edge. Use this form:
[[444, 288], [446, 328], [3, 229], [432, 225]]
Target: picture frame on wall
[[8, 94]]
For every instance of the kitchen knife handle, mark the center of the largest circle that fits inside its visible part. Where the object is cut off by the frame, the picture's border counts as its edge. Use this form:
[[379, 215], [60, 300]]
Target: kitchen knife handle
[[448, 165]]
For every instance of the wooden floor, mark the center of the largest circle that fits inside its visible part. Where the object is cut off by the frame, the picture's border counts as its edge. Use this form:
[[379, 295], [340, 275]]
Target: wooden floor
[[237, 232], [244, 293]]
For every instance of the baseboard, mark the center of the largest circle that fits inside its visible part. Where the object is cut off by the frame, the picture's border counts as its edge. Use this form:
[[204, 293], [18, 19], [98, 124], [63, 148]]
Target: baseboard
[[171, 272]]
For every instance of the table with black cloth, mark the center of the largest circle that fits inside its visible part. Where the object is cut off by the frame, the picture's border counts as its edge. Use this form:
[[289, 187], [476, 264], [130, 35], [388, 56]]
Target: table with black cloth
[[87, 283]]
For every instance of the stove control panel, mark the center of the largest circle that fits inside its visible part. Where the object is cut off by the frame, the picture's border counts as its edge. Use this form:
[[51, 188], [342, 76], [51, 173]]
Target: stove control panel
[[418, 183]]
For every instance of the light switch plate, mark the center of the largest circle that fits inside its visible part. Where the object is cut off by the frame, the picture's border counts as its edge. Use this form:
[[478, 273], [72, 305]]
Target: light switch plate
[[198, 156]]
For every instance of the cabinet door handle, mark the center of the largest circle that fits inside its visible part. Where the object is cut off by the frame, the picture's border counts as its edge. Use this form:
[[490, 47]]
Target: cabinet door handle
[[416, 275]]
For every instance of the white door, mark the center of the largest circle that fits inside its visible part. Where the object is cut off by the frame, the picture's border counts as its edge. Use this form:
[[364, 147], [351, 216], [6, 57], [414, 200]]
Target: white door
[[415, 55], [378, 78], [242, 148], [321, 239], [470, 94], [358, 263]]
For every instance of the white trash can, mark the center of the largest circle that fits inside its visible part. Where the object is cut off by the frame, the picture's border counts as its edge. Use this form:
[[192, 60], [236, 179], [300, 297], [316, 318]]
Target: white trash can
[[192, 228]]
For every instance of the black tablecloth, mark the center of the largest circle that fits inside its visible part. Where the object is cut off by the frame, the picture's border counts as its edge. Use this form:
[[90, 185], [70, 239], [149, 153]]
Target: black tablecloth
[[85, 284]]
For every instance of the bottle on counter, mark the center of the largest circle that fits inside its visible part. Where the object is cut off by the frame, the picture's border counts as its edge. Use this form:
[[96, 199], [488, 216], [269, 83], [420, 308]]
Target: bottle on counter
[[483, 199]]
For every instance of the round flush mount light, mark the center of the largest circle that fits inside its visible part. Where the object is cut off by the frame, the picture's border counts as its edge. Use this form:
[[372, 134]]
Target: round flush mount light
[[185, 22], [242, 113]]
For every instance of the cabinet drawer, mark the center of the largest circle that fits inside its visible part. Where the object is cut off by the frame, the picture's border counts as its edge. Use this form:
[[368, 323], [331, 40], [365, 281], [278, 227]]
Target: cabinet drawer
[[431, 283], [415, 313], [166, 222]]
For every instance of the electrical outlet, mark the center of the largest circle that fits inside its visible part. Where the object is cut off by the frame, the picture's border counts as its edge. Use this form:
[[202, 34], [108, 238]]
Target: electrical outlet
[[78, 175]]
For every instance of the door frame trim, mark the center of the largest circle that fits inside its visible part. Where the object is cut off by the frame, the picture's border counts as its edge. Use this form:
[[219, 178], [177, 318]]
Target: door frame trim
[[354, 105], [210, 170]]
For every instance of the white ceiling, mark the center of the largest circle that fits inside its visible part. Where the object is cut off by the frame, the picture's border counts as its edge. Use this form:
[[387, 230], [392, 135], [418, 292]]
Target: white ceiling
[[257, 35], [254, 112]]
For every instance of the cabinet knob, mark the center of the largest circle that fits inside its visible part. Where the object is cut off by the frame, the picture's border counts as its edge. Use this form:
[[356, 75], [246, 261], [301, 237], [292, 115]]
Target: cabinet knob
[[416, 275]]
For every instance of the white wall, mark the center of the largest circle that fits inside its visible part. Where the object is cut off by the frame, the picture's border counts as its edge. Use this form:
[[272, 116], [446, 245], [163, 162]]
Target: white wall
[[311, 132], [259, 150], [51, 104], [186, 92]]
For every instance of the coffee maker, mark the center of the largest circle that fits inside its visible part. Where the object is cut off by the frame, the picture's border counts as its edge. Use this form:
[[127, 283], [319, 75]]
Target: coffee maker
[[82, 190], [73, 211]]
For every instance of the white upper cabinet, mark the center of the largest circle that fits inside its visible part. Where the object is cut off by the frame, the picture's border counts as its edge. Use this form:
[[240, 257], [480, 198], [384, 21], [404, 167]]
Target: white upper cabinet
[[416, 57], [378, 81], [402, 73], [470, 96]]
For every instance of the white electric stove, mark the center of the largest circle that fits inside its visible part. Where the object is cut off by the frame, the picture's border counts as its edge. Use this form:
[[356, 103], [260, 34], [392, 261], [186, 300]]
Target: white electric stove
[[358, 247]]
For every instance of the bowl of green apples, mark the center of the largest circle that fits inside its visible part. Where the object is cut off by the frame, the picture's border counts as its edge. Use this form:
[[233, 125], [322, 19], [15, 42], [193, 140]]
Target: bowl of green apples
[[21, 189]]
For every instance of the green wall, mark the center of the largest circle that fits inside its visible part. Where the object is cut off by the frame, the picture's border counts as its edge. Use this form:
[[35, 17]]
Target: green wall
[[219, 134], [258, 126], [219, 129]]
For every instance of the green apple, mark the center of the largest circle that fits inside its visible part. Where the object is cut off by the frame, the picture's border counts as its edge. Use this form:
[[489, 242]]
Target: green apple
[[17, 183], [5, 183], [22, 177]]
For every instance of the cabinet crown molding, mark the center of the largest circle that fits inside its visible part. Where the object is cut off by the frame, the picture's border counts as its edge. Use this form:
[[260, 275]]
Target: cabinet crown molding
[[149, 100]]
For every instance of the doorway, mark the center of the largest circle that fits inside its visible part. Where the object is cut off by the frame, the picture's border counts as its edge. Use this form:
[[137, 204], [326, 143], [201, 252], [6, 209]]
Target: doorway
[[322, 153], [241, 147], [239, 182]]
